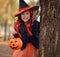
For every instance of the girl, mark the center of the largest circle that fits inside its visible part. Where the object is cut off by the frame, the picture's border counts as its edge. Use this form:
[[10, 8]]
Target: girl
[[27, 30]]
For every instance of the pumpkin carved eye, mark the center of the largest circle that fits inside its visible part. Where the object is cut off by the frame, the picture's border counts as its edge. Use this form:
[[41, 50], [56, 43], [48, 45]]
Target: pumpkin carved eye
[[11, 42], [15, 41]]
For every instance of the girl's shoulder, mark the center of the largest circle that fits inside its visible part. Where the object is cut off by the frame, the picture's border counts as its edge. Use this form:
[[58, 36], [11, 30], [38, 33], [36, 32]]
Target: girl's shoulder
[[36, 23]]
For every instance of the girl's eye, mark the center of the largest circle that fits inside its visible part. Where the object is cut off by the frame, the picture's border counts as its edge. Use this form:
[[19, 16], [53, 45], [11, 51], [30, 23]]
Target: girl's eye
[[27, 13]]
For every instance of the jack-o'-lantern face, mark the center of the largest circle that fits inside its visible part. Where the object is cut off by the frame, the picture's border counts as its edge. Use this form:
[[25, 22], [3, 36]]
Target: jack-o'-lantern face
[[15, 43]]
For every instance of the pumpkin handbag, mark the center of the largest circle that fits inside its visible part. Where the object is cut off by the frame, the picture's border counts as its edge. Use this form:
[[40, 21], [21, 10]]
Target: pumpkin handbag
[[15, 43]]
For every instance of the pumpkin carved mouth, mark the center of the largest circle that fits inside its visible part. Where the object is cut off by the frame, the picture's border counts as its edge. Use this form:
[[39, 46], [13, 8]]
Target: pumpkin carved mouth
[[14, 47]]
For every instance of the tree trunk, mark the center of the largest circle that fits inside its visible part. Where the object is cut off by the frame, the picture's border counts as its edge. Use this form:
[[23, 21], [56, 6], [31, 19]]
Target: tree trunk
[[49, 28]]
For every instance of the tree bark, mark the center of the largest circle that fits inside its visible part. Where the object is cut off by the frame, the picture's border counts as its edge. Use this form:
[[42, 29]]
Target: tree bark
[[49, 28]]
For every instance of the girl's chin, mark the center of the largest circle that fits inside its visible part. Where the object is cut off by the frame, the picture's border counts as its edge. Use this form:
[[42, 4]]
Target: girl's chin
[[25, 20]]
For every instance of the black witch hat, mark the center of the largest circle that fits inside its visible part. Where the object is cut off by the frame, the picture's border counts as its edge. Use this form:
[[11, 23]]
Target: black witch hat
[[23, 6]]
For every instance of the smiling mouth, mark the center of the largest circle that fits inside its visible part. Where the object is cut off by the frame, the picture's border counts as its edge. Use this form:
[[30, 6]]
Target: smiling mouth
[[14, 47]]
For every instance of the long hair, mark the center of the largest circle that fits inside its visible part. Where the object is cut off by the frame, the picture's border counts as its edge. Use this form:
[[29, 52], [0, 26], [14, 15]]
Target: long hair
[[19, 22]]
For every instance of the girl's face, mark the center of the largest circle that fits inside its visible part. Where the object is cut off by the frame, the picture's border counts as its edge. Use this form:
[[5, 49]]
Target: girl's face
[[25, 16]]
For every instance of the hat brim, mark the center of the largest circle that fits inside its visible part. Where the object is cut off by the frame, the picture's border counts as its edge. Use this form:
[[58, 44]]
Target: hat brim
[[25, 9]]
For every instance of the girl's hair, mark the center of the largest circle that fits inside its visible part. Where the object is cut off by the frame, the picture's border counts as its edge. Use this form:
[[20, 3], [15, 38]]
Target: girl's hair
[[19, 21]]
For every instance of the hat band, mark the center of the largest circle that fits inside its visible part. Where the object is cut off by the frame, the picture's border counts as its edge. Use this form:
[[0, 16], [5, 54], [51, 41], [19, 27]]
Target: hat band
[[23, 9]]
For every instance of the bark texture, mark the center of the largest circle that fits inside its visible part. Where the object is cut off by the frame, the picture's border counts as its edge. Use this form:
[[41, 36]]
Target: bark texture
[[50, 28]]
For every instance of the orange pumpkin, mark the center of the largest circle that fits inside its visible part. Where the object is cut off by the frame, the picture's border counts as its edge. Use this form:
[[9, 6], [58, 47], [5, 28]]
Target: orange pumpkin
[[15, 43]]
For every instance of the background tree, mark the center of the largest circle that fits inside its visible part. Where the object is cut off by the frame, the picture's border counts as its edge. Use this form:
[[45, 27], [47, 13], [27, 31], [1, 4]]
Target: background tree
[[50, 28], [7, 8]]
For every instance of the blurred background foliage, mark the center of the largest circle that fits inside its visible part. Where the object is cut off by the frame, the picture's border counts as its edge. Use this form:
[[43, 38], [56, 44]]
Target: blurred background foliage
[[7, 9]]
